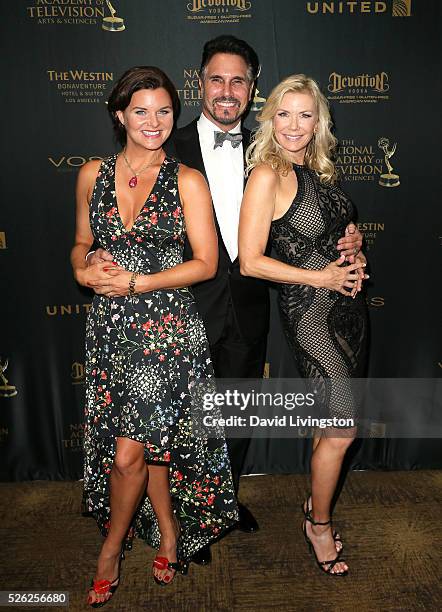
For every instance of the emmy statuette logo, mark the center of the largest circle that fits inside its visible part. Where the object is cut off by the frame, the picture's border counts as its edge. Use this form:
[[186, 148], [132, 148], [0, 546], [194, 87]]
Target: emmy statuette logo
[[389, 179], [6, 390], [112, 23], [258, 102]]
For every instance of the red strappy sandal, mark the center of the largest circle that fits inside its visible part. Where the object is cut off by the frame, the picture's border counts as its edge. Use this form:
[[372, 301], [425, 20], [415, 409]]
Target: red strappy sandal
[[163, 563], [101, 587]]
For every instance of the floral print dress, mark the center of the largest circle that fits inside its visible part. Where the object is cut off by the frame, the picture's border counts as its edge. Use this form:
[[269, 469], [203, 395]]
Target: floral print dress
[[143, 356]]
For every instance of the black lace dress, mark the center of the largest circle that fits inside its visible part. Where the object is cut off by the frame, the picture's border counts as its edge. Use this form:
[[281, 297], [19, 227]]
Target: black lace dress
[[144, 355], [326, 331]]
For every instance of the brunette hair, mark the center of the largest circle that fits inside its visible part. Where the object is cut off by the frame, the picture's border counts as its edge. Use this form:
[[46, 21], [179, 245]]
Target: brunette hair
[[134, 79], [235, 46]]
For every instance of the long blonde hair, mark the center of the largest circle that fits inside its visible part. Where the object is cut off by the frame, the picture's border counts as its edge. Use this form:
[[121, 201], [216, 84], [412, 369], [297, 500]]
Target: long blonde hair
[[264, 147]]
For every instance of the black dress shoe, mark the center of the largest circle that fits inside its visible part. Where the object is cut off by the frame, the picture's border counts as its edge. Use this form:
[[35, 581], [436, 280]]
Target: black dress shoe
[[202, 556], [247, 521]]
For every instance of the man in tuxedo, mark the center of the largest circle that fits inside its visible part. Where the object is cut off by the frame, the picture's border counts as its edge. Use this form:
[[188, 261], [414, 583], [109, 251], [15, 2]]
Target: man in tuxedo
[[234, 308]]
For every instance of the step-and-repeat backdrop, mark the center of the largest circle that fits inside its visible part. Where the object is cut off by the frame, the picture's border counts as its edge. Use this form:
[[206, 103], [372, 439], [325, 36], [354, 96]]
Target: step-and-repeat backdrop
[[378, 62]]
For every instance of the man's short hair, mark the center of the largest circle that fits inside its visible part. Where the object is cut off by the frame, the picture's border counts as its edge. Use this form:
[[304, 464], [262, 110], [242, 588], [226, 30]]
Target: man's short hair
[[235, 46]]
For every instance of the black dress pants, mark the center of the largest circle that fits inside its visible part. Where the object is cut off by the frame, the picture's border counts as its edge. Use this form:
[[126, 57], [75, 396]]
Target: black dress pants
[[234, 357]]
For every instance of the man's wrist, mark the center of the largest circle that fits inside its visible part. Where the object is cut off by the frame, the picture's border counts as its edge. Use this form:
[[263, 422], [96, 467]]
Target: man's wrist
[[313, 278], [87, 256]]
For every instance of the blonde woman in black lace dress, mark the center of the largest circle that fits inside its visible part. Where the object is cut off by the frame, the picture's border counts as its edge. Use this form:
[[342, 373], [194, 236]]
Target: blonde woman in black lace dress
[[292, 197]]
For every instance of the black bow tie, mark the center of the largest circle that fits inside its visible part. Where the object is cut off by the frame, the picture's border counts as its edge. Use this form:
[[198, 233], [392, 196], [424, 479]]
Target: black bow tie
[[221, 137]]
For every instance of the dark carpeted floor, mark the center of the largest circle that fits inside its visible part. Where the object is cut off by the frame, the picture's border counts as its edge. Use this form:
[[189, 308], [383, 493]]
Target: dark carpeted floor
[[390, 522]]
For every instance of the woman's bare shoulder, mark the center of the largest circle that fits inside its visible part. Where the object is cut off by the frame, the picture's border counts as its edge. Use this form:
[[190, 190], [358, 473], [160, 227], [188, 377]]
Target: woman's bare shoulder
[[89, 171]]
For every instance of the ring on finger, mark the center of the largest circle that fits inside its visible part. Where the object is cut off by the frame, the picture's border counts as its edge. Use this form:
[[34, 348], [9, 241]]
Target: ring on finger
[[355, 250]]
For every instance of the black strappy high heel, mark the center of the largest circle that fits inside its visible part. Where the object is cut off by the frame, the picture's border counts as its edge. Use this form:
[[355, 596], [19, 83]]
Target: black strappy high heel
[[325, 566], [336, 536]]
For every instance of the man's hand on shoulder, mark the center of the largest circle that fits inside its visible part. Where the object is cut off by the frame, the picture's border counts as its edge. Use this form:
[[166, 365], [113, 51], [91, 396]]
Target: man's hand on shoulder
[[351, 243]]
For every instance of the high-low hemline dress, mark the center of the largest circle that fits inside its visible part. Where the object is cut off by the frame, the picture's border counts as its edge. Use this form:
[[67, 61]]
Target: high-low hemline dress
[[144, 355]]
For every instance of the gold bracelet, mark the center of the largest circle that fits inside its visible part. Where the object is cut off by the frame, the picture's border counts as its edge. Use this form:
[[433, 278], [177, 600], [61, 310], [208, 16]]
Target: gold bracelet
[[133, 280]]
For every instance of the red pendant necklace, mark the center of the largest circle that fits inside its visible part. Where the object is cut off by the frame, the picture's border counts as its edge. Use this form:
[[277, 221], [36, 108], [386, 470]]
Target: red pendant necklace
[[133, 182]]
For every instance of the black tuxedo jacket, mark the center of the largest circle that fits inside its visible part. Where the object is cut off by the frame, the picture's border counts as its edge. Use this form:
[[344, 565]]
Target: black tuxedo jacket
[[249, 296]]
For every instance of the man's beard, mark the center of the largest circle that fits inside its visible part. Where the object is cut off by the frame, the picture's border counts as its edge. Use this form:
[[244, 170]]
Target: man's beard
[[225, 119]]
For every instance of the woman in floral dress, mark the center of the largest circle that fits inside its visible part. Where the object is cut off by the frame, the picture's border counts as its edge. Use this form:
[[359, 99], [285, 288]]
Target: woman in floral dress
[[146, 346]]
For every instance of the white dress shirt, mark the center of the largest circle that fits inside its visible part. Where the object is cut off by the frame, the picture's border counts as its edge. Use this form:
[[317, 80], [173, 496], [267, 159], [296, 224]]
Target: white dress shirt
[[225, 172]]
